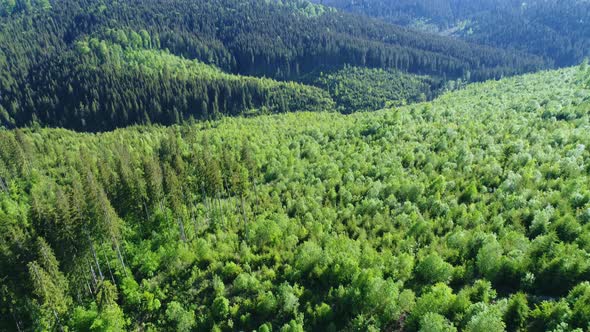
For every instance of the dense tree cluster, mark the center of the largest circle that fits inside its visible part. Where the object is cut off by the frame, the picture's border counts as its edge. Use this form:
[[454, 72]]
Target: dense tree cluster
[[357, 89], [10, 7], [470, 212], [103, 85], [553, 29], [40, 57]]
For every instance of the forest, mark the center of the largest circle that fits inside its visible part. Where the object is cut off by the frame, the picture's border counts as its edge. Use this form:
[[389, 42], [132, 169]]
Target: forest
[[356, 89], [73, 64], [294, 165], [118, 84], [554, 29], [470, 212]]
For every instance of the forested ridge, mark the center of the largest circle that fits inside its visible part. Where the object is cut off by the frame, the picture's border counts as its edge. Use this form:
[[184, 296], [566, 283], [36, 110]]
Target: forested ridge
[[40, 58], [554, 29], [470, 212], [280, 165], [113, 85]]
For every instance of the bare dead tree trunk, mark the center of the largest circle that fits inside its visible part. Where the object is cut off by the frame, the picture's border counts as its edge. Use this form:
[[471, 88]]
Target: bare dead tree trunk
[[225, 186], [120, 256], [220, 209], [93, 274], [244, 214], [57, 320], [181, 227], [113, 237], [165, 212], [95, 258], [256, 192], [16, 321], [109, 267], [205, 201], [191, 205], [193, 218], [147, 212], [3, 185], [89, 288]]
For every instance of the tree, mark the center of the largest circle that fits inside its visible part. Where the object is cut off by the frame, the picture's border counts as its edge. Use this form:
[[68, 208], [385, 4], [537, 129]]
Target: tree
[[469, 194], [489, 259], [292, 326], [432, 322], [433, 269], [517, 312], [110, 316], [183, 320], [7, 7], [579, 297], [489, 320], [548, 315], [436, 299], [220, 308], [49, 285]]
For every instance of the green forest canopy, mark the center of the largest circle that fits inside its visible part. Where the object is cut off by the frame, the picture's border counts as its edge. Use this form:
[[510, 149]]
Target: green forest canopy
[[554, 29], [45, 81], [470, 212], [357, 89]]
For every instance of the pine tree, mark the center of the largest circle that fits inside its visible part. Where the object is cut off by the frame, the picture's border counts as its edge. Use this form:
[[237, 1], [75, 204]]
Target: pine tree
[[49, 284]]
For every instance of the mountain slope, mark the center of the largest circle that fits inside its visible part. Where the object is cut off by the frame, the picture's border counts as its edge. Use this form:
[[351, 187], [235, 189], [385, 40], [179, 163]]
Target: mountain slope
[[38, 48], [102, 85], [471, 210], [557, 30]]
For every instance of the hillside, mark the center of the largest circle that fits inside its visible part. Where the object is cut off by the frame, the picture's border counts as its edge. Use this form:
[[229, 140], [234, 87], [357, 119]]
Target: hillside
[[357, 89], [40, 53], [104, 84], [460, 213], [554, 29]]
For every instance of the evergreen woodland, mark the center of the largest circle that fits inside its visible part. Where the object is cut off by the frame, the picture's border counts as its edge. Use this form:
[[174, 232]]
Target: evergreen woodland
[[97, 65], [470, 213]]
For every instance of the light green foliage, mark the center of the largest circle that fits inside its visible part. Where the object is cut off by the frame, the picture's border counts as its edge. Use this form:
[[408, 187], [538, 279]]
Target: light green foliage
[[182, 319], [432, 322], [488, 320], [8, 7], [550, 315], [292, 326], [309, 221], [439, 299], [49, 284], [106, 316], [83, 318], [304, 7], [220, 308], [579, 298], [109, 319], [265, 233], [489, 259], [481, 291], [433, 269]]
